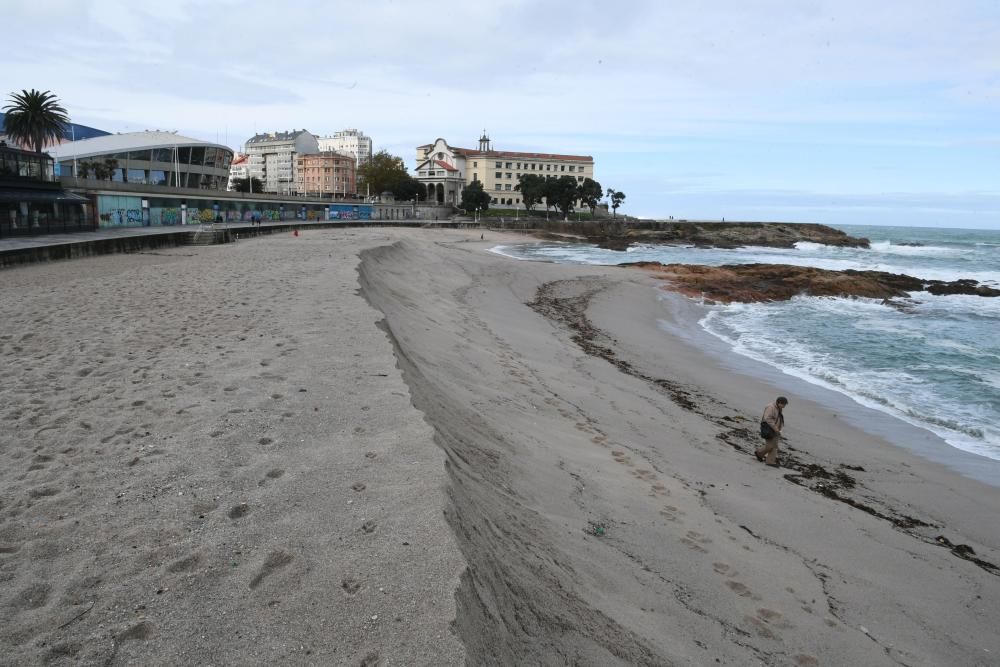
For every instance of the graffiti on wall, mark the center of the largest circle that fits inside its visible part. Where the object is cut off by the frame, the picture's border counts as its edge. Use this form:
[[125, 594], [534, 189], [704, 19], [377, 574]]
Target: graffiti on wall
[[170, 216], [122, 216]]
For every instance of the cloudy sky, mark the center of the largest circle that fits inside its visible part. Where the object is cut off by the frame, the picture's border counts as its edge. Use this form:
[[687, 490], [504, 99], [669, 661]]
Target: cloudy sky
[[836, 111]]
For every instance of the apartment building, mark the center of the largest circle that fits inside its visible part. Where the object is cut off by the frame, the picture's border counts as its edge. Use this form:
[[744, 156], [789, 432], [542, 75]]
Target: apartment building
[[326, 174], [240, 168], [272, 157], [350, 142], [445, 170]]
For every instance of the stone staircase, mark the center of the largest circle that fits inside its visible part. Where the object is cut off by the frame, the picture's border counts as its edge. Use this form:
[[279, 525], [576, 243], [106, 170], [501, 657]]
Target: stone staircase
[[210, 236]]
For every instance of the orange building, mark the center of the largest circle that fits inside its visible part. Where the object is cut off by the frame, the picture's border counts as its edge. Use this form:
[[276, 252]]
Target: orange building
[[326, 174]]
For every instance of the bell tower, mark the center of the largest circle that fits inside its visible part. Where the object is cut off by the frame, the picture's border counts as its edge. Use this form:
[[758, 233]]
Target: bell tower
[[484, 142]]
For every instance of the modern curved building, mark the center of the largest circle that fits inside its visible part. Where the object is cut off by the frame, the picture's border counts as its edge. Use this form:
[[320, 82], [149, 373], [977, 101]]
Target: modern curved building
[[147, 158]]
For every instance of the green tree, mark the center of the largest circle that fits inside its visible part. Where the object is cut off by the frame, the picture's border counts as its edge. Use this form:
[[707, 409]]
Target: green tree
[[407, 188], [473, 197], [590, 193], [532, 189], [251, 184], [34, 117], [561, 193], [382, 173], [616, 198]]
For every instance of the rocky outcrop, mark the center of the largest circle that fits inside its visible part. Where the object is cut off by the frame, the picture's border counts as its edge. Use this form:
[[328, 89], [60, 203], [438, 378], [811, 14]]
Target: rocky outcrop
[[723, 235], [780, 282]]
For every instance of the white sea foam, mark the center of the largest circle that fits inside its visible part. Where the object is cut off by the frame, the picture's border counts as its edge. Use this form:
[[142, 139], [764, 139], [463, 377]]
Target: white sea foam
[[888, 247], [505, 251]]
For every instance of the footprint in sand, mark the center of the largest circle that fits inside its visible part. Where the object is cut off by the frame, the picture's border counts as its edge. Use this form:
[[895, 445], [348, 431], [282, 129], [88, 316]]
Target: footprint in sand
[[31, 597], [619, 456], [694, 540], [739, 588], [358, 486], [275, 561], [773, 618], [760, 627], [350, 585], [185, 564], [723, 568], [140, 631], [369, 526], [239, 511], [670, 512]]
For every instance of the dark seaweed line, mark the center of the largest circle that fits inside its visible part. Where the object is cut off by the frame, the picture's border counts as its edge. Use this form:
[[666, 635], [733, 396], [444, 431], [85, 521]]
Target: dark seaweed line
[[571, 311]]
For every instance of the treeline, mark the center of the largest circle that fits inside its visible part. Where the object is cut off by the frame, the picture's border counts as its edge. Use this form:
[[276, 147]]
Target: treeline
[[559, 192]]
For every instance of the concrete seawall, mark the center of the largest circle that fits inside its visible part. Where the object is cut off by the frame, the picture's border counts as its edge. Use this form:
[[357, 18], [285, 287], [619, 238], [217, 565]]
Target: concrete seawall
[[30, 250]]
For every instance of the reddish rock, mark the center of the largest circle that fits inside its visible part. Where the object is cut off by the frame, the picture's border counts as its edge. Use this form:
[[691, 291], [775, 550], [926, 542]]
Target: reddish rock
[[780, 282]]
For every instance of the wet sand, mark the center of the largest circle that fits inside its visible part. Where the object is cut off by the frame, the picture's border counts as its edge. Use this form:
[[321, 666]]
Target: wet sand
[[394, 447]]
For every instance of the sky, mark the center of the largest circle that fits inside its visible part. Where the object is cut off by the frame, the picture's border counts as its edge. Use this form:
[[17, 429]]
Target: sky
[[838, 112]]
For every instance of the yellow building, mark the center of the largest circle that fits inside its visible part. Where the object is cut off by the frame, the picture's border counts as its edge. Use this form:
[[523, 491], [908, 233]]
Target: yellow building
[[445, 170]]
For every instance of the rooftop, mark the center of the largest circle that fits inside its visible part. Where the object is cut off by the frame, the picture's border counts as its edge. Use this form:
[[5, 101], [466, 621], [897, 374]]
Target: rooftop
[[276, 136], [127, 141]]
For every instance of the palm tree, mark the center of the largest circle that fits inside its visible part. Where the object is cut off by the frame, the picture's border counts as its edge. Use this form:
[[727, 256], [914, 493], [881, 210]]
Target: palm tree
[[34, 117]]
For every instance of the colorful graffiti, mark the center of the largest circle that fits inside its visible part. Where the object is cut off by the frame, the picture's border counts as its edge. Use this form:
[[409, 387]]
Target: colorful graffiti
[[122, 216], [170, 216]]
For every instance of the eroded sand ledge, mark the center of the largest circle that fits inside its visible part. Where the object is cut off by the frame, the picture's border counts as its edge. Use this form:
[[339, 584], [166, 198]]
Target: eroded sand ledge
[[170, 494], [564, 410]]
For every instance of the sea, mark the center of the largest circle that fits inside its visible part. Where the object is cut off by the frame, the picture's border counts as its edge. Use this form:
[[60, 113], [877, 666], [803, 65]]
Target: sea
[[932, 361]]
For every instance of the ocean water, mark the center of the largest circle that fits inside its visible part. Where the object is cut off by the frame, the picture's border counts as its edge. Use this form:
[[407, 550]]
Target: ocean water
[[935, 362]]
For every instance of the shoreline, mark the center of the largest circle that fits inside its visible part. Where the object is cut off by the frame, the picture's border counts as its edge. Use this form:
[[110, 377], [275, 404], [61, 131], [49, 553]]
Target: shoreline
[[909, 434], [898, 432]]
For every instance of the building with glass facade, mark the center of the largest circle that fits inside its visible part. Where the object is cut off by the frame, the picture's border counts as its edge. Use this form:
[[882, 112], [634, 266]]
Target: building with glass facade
[[147, 158], [31, 199]]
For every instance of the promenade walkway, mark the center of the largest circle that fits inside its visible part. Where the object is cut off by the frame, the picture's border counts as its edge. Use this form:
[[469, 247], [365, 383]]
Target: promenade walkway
[[28, 249]]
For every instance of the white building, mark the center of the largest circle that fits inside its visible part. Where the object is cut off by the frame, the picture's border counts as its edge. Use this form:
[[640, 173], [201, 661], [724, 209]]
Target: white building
[[446, 170], [240, 168], [272, 157], [349, 142]]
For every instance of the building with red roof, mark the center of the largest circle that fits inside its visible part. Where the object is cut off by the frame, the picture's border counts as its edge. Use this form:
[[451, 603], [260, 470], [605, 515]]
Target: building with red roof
[[446, 170]]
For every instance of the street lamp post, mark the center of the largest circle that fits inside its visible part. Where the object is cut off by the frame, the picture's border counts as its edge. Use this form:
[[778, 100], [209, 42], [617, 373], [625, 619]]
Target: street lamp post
[[477, 214]]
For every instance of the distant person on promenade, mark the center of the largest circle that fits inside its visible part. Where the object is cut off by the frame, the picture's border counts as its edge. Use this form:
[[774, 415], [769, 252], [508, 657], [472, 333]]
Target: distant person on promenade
[[771, 424]]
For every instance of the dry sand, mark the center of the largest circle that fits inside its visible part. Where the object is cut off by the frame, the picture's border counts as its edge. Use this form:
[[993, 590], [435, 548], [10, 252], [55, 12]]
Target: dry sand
[[226, 455]]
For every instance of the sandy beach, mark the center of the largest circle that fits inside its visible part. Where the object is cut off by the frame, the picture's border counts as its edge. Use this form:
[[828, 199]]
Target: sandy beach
[[393, 447]]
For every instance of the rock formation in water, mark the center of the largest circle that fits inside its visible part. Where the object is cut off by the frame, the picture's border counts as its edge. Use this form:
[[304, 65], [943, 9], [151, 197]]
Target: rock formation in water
[[722, 235], [780, 282]]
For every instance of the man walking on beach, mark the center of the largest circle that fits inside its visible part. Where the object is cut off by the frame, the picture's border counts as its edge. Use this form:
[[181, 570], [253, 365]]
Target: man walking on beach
[[776, 420]]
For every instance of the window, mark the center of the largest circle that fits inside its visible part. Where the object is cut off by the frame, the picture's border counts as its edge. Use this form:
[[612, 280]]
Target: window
[[580, 178], [548, 167], [499, 174], [518, 165], [138, 155], [499, 165], [475, 176], [562, 167], [508, 165], [475, 164], [507, 186], [572, 168], [510, 175], [163, 155], [499, 186]]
